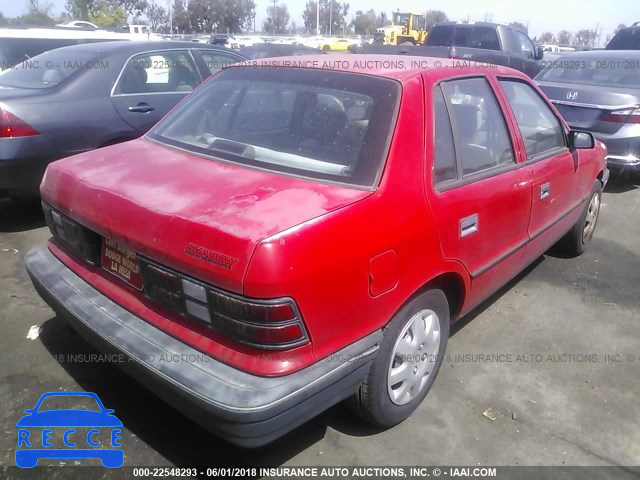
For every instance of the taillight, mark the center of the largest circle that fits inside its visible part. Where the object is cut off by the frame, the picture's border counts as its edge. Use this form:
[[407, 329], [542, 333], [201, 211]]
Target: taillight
[[630, 115], [80, 240], [11, 126], [268, 324]]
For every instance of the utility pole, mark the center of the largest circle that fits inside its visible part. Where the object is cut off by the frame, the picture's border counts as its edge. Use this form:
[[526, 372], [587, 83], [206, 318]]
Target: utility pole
[[318, 18], [170, 17]]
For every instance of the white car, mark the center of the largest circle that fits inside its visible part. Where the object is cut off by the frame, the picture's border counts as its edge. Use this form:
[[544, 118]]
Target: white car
[[79, 24], [245, 41]]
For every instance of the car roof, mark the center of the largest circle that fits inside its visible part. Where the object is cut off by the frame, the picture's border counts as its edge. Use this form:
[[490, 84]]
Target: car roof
[[135, 46], [602, 54], [399, 67]]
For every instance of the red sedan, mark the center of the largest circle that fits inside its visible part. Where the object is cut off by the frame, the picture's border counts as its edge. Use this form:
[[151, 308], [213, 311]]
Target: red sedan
[[294, 235]]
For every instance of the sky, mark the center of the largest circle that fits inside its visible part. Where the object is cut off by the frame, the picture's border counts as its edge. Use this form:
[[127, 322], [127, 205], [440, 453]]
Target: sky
[[539, 15]]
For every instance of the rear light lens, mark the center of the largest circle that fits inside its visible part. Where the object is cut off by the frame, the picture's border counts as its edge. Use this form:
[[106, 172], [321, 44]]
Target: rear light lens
[[267, 324], [631, 115], [79, 240], [11, 126]]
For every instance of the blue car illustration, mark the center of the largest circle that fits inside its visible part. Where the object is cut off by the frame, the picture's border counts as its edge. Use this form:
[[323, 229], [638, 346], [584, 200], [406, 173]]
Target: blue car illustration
[[48, 431]]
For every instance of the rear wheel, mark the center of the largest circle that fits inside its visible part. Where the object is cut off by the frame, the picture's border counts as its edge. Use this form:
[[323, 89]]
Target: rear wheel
[[326, 48], [575, 241], [409, 359]]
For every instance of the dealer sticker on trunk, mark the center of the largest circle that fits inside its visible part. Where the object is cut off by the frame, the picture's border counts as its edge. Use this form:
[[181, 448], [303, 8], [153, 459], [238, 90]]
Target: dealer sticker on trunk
[[121, 262]]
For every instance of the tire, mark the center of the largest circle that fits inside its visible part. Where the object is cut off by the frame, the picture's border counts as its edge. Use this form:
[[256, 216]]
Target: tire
[[405, 368], [326, 48], [576, 240]]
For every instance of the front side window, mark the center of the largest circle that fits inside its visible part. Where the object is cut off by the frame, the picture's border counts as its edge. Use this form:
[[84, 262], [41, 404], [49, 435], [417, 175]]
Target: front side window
[[158, 72], [480, 129], [526, 45], [321, 125], [540, 128]]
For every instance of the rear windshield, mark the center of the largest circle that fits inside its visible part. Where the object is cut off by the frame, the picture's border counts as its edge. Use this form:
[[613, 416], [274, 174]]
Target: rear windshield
[[607, 72], [324, 125], [627, 39], [47, 70], [14, 51], [464, 36]]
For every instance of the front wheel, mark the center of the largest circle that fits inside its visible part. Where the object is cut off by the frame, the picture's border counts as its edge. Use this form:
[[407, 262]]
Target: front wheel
[[410, 356], [575, 241]]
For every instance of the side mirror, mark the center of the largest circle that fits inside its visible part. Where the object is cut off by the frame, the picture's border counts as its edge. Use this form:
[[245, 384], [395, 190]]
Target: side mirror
[[539, 53], [581, 140]]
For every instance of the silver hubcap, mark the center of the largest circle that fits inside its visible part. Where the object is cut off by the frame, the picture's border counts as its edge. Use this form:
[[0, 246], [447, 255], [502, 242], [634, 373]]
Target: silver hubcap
[[414, 356], [591, 218]]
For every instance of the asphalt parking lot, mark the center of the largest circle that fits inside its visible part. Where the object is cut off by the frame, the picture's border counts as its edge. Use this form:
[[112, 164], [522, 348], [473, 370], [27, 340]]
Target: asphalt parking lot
[[555, 356]]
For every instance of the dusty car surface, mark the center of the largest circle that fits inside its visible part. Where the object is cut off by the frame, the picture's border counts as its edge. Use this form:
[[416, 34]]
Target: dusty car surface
[[291, 237]]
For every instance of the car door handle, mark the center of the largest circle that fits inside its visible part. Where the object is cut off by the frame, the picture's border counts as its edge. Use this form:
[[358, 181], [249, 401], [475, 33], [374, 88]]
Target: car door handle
[[141, 108], [469, 225], [545, 191]]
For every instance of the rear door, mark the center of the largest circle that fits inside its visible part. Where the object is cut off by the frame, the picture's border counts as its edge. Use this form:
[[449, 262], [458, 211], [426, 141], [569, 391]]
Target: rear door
[[558, 182], [151, 84], [482, 198]]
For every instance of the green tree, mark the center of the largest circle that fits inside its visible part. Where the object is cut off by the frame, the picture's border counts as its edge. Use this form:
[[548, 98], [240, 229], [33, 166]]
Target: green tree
[[157, 16], [202, 16], [435, 16], [232, 16], [133, 8], [80, 9], [277, 19], [564, 37], [108, 13], [519, 26], [35, 18], [3, 20], [332, 16], [180, 16], [585, 37], [364, 23], [547, 37]]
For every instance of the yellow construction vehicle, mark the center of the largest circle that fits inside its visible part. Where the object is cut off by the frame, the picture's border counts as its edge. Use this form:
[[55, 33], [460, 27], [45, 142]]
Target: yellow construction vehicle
[[405, 27]]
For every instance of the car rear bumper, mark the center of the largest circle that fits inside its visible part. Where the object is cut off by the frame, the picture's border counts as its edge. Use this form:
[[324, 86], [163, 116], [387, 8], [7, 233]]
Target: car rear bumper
[[23, 161], [244, 409], [623, 162]]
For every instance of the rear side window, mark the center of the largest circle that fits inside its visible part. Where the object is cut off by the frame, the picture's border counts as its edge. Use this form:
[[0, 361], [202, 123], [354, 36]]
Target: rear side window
[[541, 130], [444, 152], [14, 51], [158, 72], [480, 130], [321, 125], [48, 70], [216, 60]]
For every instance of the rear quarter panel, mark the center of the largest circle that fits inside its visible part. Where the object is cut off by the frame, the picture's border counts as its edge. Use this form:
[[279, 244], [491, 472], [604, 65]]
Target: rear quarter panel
[[324, 264]]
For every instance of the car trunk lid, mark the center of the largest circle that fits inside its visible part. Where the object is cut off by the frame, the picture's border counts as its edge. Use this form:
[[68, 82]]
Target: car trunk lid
[[589, 107], [200, 216]]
